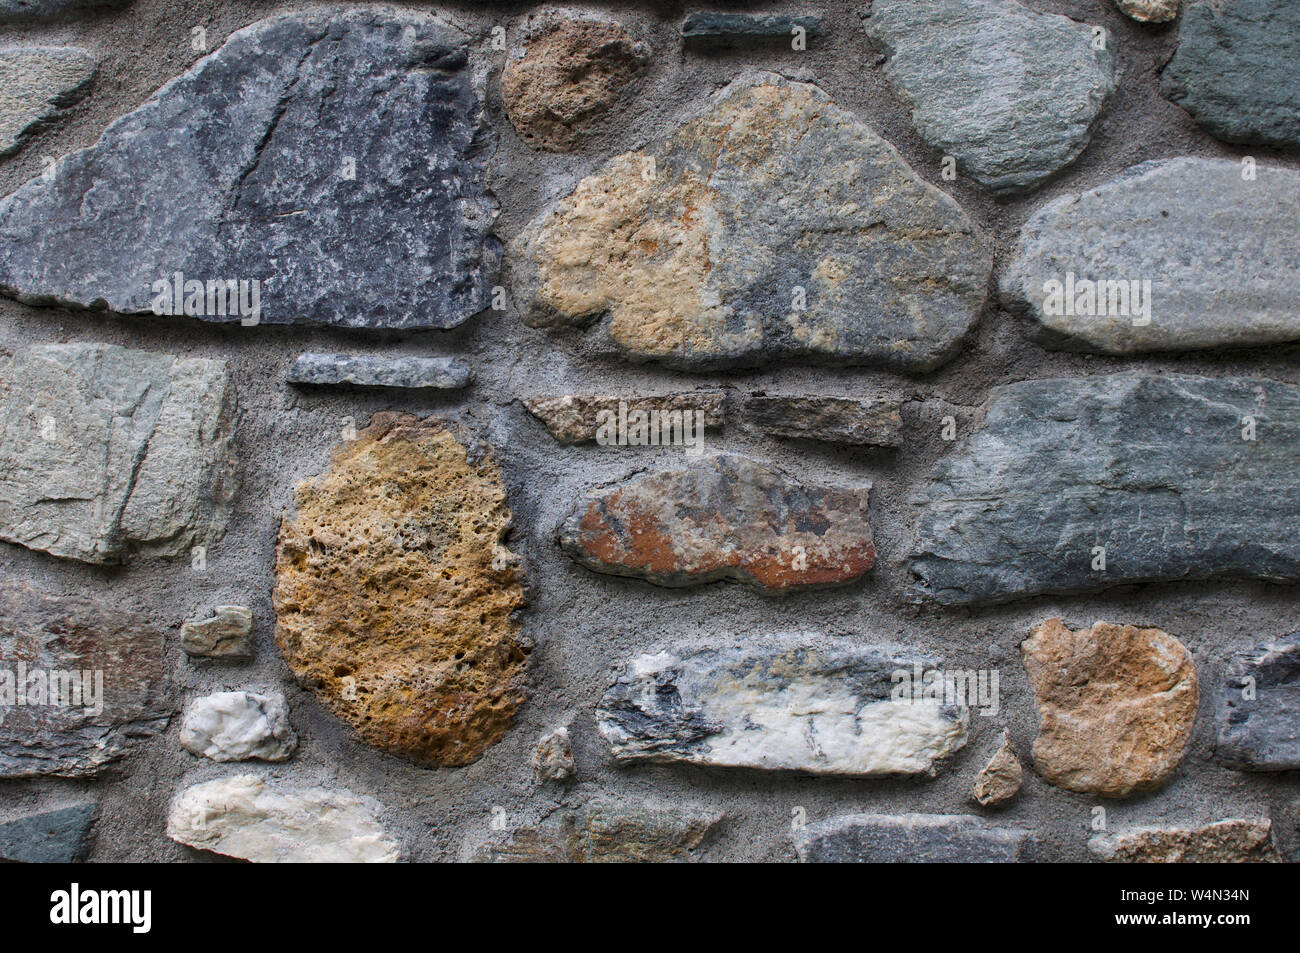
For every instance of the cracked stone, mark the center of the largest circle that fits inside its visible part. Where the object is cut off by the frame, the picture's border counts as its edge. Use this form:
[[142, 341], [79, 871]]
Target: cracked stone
[[239, 726], [860, 423], [36, 84], [1258, 708], [577, 418], [999, 783], [910, 839], [226, 635], [361, 370], [1224, 842], [50, 837]]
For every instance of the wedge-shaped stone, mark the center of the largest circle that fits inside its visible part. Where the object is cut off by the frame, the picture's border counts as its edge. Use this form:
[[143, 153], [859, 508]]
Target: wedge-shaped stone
[[333, 155], [36, 83], [999, 783], [1258, 708], [108, 450], [781, 704], [51, 837], [1174, 477], [724, 517], [1177, 254], [773, 226], [908, 839], [1225, 842]]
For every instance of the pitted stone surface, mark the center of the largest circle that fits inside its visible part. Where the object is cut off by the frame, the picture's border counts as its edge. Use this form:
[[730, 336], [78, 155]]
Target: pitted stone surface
[[1116, 705], [773, 227], [999, 783], [782, 705], [1012, 94], [363, 370], [1154, 470], [1258, 708], [36, 83], [579, 418], [724, 518], [1209, 254], [239, 726], [1225, 842], [109, 451], [1149, 11], [228, 634], [909, 839], [394, 593], [251, 148], [51, 837], [846, 420]]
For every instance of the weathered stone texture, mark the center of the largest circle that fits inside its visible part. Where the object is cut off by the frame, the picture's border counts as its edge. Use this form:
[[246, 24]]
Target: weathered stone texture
[[1225, 842], [361, 370], [22, 11], [604, 832], [711, 27], [226, 635], [239, 726], [1258, 708], [908, 839], [1149, 11], [36, 83], [50, 837], [394, 593], [999, 782], [578, 418], [553, 756], [845, 420]]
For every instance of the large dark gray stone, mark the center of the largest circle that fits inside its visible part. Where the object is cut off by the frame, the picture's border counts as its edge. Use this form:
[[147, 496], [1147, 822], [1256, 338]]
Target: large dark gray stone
[[334, 156], [21, 11], [1157, 470], [51, 837], [908, 839], [1258, 708]]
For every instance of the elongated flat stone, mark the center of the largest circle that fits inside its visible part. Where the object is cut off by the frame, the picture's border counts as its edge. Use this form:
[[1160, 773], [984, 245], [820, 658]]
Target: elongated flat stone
[[334, 156], [1012, 94], [109, 451], [845, 420], [50, 837], [1258, 708], [239, 726], [360, 370], [21, 11], [908, 839], [1154, 470], [1175, 254], [1234, 69], [579, 418], [36, 84], [774, 226], [1224, 842], [710, 27], [724, 518], [82, 683], [604, 831], [778, 705]]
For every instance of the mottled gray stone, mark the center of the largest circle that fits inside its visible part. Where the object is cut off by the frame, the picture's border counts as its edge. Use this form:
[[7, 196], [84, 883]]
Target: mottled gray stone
[[710, 27], [334, 156], [36, 83], [1258, 708], [1175, 254], [21, 11], [51, 837], [117, 699], [779, 704], [239, 726], [908, 839], [1012, 94], [862, 423], [1154, 469], [581, 418], [1235, 69], [109, 450], [363, 370], [227, 634]]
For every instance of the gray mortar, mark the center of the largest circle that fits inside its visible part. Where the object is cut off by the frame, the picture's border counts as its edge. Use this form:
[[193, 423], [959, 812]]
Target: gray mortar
[[583, 623]]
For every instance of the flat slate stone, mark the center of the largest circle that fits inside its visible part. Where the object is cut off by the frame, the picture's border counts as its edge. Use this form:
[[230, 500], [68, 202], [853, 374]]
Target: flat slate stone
[[1175, 254], [334, 156], [1224, 842], [779, 705], [908, 839], [85, 723], [1258, 708], [51, 837], [772, 227], [1152, 468], [724, 518], [36, 84], [1235, 69], [361, 370], [603, 832], [1012, 94], [724, 27], [109, 451], [580, 418], [20, 11], [843, 420]]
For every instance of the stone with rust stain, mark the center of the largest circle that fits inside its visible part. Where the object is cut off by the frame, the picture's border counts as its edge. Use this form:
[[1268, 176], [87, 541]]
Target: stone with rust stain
[[578, 418], [1116, 703], [394, 593], [724, 517], [999, 783], [1226, 842]]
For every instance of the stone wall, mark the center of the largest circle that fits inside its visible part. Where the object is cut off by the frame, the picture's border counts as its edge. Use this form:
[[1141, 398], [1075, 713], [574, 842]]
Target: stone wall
[[975, 538]]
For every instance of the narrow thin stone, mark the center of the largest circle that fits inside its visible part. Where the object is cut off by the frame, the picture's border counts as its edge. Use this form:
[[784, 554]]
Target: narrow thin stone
[[908, 839], [725, 27], [1224, 842], [604, 831], [842, 420], [578, 418], [363, 370]]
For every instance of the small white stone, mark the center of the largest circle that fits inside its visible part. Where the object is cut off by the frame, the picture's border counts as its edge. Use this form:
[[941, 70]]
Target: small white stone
[[553, 756], [237, 726]]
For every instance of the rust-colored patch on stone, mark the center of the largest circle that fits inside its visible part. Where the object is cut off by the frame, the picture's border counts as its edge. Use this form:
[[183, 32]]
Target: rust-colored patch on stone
[[394, 593]]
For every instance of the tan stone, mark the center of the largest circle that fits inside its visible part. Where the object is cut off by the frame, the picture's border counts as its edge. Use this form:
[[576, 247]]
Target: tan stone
[[576, 418], [394, 593], [1226, 842], [999, 782], [1149, 11], [1117, 705]]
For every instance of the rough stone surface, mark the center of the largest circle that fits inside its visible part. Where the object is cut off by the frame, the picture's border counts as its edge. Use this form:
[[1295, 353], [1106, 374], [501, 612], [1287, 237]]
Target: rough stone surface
[[44, 637], [573, 70], [1012, 94], [1224, 842], [36, 83], [785, 705], [1152, 468], [724, 517], [245, 817], [1234, 69], [437, 373], [1219, 253], [51, 837], [908, 839], [109, 450], [775, 226], [711, 27], [1258, 708], [239, 726], [394, 593], [250, 149], [577, 418], [604, 831], [22, 11], [553, 756], [1116, 706], [862, 423], [999, 783], [228, 634], [1149, 11]]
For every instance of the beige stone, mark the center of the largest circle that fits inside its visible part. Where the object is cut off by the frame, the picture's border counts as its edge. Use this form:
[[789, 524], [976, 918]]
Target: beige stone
[[1225, 842], [1149, 11], [999, 783]]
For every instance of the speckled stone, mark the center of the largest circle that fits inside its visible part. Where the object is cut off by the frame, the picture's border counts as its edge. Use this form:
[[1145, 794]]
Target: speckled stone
[[1149, 11], [1225, 842], [36, 84], [908, 839], [1257, 710], [364, 370], [843, 420], [51, 837]]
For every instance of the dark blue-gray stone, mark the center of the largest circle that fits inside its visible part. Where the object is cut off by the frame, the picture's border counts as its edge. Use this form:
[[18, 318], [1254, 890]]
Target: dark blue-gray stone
[[908, 839], [334, 156], [53, 837], [363, 370], [1258, 708], [1155, 469], [1236, 70], [724, 27], [19, 11]]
